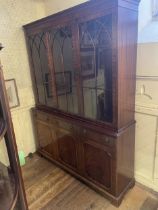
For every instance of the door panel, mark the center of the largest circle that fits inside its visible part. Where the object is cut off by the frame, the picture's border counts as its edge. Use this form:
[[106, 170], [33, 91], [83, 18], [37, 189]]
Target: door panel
[[98, 164], [67, 147], [46, 138]]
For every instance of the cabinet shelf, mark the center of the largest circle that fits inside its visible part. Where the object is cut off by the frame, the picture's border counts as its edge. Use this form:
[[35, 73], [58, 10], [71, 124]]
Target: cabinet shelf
[[8, 188], [3, 128]]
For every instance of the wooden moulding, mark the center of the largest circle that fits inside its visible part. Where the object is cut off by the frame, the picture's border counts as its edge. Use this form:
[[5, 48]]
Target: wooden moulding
[[3, 128]]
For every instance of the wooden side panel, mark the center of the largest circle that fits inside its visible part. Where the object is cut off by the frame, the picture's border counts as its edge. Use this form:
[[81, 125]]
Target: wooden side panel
[[127, 52], [125, 159]]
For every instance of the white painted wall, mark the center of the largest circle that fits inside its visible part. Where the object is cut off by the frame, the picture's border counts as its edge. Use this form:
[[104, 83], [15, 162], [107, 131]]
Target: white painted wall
[[54, 6], [13, 15]]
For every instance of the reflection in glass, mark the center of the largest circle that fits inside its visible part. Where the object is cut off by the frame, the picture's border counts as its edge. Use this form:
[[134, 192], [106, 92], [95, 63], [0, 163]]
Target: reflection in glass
[[96, 67]]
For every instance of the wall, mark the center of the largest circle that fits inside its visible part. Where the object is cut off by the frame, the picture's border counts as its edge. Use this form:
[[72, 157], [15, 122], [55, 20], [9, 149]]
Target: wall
[[146, 158], [145, 13], [55, 6], [146, 167], [14, 14]]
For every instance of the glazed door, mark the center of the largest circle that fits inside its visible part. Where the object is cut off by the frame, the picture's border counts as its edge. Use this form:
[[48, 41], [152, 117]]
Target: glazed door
[[95, 47]]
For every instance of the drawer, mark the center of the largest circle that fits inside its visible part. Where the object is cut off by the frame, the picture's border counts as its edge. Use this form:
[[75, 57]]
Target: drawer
[[98, 137], [53, 120]]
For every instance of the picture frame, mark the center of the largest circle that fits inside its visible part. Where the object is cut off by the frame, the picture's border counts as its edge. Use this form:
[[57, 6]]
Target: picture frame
[[88, 59], [12, 93], [61, 87]]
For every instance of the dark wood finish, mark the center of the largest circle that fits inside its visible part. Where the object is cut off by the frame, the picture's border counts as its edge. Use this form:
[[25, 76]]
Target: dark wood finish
[[93, 140], [14, 183], [97, 170], [67, 148], [3, 128]]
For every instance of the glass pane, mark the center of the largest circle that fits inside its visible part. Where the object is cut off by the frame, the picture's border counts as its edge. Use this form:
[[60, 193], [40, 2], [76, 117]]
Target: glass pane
[[62, 51], [41, 70], [96, 67]]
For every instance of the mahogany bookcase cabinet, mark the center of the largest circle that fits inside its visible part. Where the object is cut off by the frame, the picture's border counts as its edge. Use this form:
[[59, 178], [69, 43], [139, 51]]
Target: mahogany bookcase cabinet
[[83, 63]]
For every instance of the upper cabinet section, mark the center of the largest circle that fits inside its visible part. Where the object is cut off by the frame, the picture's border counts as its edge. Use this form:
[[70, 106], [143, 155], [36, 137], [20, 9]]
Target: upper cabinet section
[[87, 90], [84, 60]]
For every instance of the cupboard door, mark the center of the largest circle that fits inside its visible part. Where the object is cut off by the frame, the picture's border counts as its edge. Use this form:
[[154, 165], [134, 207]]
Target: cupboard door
[[95, 38], [46, 138], [98, 164], [67, 147]]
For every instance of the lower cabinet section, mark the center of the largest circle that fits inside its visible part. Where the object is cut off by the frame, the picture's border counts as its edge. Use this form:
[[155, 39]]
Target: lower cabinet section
[[106, 163]]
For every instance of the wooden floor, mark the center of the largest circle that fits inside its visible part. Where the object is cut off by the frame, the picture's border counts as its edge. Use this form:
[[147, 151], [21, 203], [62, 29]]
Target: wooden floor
[[50, 188]]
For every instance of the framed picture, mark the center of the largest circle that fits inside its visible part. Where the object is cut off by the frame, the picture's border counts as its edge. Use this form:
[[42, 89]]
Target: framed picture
[[88, 59], [12, 93], [63, 83]]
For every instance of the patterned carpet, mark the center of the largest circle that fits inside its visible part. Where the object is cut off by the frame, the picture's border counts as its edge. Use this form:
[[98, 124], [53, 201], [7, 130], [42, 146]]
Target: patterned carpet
[[50, 188]]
